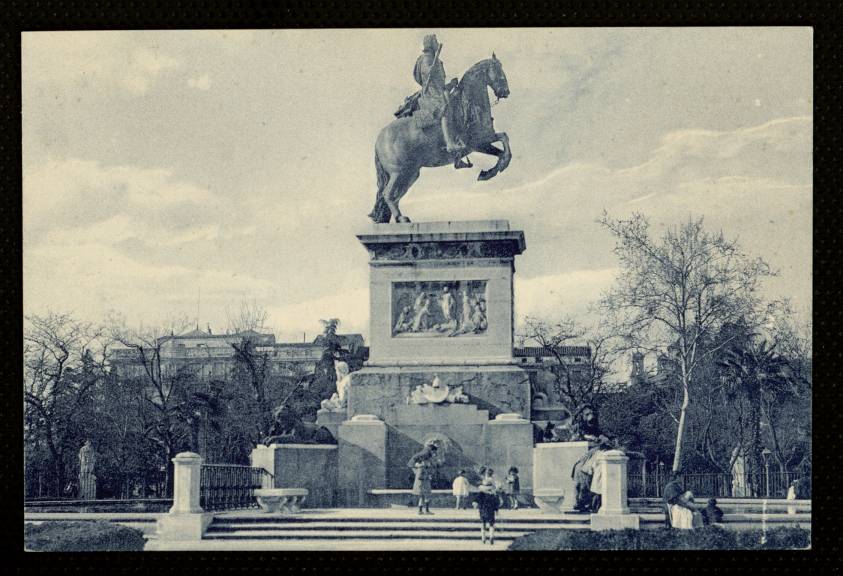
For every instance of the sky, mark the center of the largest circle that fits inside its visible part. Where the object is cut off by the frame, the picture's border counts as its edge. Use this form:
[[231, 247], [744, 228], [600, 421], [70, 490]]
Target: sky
[[179, 173]]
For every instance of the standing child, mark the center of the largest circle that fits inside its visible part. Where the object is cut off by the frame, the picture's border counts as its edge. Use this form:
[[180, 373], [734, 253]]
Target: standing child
[[460, 489], [488, 503], [513, 487]]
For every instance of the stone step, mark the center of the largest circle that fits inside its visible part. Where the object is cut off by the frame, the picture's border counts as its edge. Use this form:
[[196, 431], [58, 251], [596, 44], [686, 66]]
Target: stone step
[[409, 521], [500, 534], [369, 526], [353, 544]]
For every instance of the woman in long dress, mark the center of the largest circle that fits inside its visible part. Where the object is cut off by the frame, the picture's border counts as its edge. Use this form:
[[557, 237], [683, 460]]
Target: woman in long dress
[[422, 465]]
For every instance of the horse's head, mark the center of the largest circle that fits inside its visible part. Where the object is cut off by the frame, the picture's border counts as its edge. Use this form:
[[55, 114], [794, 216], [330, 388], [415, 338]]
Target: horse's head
[[497, 78]]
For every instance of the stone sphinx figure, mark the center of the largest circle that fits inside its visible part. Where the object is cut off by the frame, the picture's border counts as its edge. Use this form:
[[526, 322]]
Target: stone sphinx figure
[[289, 428], [338, 400]]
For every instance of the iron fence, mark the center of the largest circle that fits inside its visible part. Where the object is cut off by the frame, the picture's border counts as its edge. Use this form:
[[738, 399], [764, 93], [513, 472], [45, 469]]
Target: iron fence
[[231, 486], [755, 485]]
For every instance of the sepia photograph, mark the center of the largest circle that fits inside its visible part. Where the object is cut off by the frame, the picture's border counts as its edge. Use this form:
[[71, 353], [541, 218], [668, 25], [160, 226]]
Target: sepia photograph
[[417, 289]]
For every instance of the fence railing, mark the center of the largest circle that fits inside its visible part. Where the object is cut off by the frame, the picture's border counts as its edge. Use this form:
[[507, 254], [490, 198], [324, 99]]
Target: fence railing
[[230, 486], [755, 485]]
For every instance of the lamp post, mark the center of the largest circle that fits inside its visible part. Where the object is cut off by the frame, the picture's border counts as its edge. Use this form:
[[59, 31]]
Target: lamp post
[[765, 454]]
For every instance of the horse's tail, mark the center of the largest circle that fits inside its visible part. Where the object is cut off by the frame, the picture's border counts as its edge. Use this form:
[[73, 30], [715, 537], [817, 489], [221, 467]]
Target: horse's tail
[[380, 213]]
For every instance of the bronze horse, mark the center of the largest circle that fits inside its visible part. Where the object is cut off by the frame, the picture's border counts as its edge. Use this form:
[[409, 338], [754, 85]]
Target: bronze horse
[[403, 148]]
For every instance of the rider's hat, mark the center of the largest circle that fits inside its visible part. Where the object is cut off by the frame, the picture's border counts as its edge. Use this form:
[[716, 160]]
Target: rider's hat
[[430, 44]]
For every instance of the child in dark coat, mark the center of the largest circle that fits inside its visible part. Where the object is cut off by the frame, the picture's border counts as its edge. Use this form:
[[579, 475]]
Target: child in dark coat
[[712, 514], [488, 503]]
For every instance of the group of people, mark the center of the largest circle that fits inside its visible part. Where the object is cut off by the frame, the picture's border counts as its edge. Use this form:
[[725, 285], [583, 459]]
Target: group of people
[[487, 495], [682, 512]]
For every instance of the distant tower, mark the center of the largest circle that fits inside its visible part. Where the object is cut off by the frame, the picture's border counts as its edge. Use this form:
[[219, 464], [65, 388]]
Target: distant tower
[[636, 376]]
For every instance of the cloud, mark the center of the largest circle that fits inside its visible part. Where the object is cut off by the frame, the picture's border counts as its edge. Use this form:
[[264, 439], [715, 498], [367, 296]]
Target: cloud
[[86, 196], [752, 182], [202, 82], [102, 60]]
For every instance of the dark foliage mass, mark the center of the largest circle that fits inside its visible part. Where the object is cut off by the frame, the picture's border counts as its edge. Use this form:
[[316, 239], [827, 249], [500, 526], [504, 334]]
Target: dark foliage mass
[[708, 538], [84, 536]]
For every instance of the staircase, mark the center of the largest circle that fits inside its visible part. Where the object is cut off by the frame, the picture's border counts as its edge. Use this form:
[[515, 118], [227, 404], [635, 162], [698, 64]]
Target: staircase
[[375, 529], [401, 528]]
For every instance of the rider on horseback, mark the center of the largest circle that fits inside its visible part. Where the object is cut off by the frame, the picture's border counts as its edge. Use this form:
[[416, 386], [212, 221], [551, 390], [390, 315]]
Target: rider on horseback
[[429, 73]]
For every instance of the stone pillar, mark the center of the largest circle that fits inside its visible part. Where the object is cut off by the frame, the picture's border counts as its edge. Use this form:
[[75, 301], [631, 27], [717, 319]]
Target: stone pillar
[[361, 458], [187, 468], [186, 520], [614, 510]]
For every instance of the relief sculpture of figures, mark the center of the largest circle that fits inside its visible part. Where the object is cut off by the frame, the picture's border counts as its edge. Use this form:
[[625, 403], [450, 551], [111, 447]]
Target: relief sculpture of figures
[[439, 308], [439, 125]]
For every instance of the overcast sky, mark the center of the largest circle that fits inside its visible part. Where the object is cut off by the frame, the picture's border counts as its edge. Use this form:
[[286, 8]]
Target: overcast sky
[[240, 163]]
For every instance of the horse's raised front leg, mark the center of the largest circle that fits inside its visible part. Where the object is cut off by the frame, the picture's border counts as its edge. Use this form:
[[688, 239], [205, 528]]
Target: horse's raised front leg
[[504, 156]]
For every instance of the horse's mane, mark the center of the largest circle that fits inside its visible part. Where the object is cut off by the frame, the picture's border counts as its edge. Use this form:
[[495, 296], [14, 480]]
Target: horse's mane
[[479, 67]]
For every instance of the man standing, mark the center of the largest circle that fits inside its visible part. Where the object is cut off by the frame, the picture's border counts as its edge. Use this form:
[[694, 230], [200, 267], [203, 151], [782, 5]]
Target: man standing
[[429, 73]]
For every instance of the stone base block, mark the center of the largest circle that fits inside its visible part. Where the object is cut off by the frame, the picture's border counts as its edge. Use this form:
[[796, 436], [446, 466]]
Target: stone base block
[[614, 521], [331, 420], [180, 527], [549, 501], [309, 466], [383, 390], [552, 466]]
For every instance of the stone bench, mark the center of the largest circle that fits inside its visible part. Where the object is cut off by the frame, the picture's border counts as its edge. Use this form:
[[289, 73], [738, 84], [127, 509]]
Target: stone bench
[[284, 500]]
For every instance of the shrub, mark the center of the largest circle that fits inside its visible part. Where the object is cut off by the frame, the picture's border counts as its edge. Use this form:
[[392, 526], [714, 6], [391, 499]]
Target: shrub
[[708, 538], [81, 536]]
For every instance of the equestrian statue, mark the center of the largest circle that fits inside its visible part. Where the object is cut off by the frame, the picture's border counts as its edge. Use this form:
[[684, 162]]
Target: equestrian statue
[[438, 125]]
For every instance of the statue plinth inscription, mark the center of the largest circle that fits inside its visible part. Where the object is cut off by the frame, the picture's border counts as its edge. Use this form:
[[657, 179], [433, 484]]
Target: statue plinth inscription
[[441, 291]]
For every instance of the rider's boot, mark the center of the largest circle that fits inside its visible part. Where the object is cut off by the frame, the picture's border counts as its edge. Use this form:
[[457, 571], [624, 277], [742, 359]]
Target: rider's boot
[[452, 145], [455, 146]]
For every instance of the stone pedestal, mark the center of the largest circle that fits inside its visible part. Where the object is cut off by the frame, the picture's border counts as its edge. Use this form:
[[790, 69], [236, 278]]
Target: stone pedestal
[[441, 320], [472, 262], [553, 486], [186, 520], [614, 511], [361, 458]]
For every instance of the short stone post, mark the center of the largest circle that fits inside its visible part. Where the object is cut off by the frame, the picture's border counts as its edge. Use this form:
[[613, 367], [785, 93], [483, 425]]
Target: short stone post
[[186, 520], [361, 458], [614, 511]]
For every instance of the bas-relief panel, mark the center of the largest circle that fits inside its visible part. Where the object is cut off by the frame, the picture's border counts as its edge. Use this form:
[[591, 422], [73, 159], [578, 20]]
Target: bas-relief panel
[[439, 308]]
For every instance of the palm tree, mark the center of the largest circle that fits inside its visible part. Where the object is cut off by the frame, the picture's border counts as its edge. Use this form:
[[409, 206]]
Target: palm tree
[[756, 371]]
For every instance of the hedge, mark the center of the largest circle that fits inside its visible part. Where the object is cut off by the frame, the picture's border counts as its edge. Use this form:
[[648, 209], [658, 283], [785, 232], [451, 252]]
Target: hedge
[[708, 538], [81, 536]]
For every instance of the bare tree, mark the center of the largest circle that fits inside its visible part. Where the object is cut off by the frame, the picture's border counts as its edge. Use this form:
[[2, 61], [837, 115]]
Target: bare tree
[[249, 316], [63, 361], [165, 386], [576, 385], [674, 291]]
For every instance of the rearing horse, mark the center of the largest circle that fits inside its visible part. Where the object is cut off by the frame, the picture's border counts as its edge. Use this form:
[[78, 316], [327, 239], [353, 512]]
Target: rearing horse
[[403, 148]]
